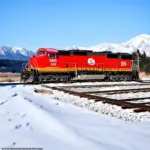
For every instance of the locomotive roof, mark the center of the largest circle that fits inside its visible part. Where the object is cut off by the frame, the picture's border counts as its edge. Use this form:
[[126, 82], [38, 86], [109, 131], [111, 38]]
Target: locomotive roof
[[108, 54], [90, 52], [78, 52], [51, 50]]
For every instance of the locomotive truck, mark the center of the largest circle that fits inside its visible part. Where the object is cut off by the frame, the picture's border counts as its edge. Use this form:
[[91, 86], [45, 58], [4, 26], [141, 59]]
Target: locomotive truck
[[50, 64]]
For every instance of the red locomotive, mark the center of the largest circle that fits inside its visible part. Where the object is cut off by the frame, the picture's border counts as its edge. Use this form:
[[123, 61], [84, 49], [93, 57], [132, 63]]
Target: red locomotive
[[50, 65]]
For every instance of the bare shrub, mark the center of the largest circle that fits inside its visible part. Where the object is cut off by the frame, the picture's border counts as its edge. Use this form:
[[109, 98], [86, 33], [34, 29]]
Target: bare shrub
[[43, 91], [9, 77]]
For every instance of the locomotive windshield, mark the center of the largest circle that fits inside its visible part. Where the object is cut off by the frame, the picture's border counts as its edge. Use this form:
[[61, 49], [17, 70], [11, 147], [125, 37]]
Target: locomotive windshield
[[41, 52]]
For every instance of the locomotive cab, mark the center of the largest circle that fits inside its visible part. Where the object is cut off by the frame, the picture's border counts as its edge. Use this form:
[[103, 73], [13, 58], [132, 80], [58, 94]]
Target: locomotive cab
[[46, 57], [50, 53]]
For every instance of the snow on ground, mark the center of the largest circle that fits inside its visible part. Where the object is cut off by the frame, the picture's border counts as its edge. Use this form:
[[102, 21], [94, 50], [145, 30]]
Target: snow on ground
[[124, 95], [89, 83], [145, 78], [28, 119], [90, 89]]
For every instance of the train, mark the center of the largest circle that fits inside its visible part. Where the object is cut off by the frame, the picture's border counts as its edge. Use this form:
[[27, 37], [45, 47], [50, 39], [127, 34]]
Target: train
[[50, 64]]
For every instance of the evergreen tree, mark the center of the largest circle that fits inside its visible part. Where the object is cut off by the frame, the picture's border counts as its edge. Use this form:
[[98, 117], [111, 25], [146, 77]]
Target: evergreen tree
[[147, 68], [144, 61]]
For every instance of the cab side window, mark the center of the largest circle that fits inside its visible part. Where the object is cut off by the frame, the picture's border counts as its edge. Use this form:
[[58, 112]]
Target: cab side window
[[57, 56], [53, 56], [49, 55]]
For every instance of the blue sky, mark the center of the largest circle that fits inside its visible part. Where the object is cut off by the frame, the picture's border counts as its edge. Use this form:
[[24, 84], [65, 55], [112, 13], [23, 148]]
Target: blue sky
[[62, 23]]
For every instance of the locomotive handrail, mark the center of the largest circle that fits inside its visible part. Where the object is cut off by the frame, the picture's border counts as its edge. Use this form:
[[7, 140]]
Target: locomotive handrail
[[100, 65], [83, 66], [24, 65]]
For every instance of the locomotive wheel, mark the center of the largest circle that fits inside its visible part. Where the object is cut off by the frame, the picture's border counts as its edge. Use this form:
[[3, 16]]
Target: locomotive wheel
[[107, 77], [34, 76], [113, 78], [122, 78], [24, 76], [41, 80], [128, 78]]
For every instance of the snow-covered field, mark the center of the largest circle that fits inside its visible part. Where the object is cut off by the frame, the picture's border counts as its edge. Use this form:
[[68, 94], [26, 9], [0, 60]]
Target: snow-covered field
[[49, 121]]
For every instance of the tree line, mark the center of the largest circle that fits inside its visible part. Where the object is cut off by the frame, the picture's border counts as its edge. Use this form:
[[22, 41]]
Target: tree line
[[144, 61]]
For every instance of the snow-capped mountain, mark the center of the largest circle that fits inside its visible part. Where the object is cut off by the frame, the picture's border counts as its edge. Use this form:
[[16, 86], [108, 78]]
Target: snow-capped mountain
[[15, 53], [141, 42]]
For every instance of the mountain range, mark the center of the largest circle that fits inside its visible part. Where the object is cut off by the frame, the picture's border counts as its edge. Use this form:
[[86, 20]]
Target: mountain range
[[15, 53], [141, 42]]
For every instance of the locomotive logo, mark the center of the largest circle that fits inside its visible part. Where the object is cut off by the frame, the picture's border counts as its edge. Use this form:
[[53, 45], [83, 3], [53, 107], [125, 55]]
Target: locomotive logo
[[123, 63], [91, 61]]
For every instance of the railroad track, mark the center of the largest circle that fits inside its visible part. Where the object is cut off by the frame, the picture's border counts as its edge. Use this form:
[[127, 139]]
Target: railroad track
[[31, 83], [146, 82], [18, 83], [109, 92], [125, 103], [104, 85]]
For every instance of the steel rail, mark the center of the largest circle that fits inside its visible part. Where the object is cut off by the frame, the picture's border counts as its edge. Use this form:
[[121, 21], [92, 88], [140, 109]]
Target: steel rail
[[135, 99], [105, 85], [121, 91], [124, 104]]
